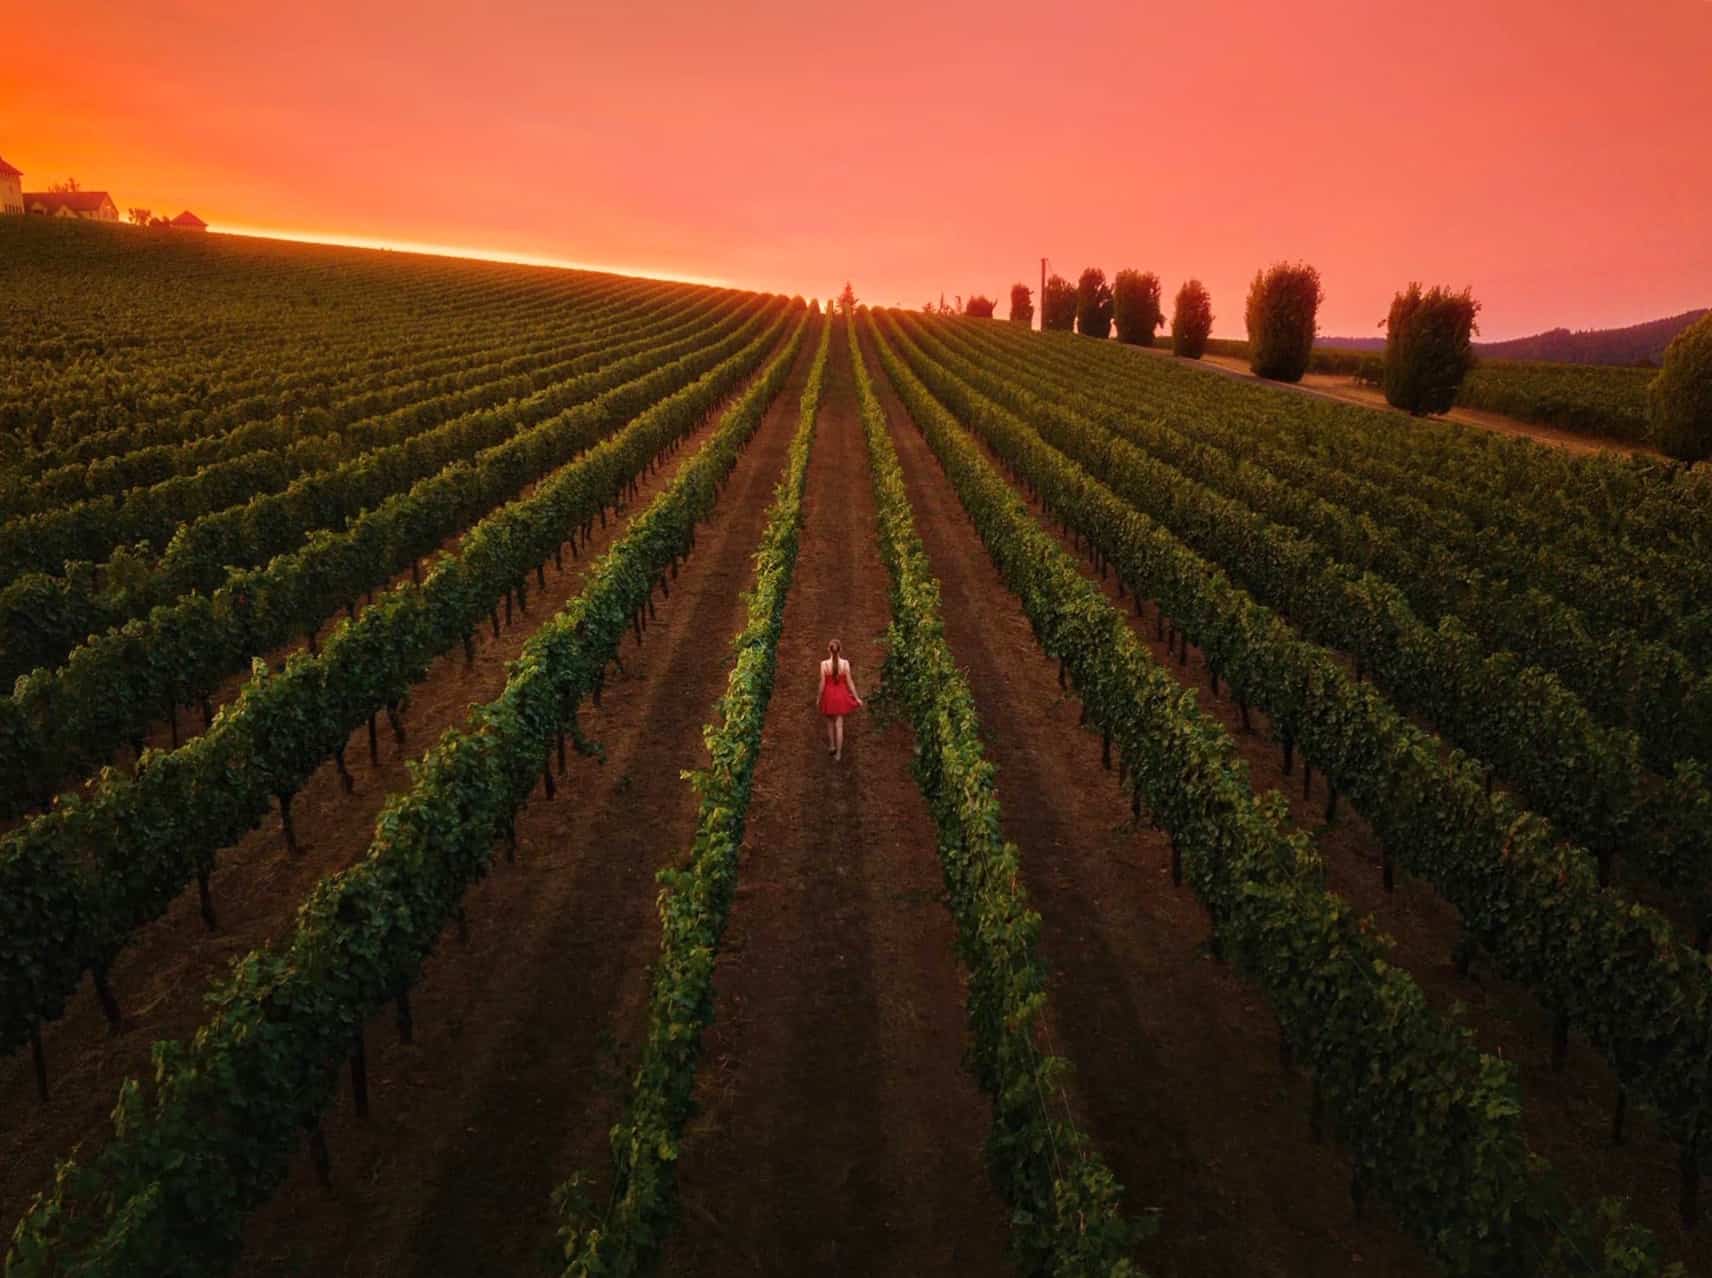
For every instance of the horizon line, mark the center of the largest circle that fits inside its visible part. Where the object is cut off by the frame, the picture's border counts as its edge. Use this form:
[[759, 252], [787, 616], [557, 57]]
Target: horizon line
[[339, 239]]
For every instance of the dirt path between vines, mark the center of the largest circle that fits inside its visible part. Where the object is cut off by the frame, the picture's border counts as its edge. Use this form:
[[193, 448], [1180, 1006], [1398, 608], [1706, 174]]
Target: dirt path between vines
[[1344, 390], [838, 1132], [526, 1034], [1566, 1115], [160, 979], [1174, 1057]]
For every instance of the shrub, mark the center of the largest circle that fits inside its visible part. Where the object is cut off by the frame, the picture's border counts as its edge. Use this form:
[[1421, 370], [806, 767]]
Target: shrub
[[1058, 305], [979, 306], [1136, 308], [1679, 400], [1282, 305], [1094, 304], [1022, 307], [1427, 351], [1191, 320]]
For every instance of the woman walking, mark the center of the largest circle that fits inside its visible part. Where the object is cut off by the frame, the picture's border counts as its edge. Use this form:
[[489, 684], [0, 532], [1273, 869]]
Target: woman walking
[[837, 697]]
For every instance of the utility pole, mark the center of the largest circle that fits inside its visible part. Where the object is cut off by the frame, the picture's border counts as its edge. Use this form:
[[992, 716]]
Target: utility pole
[[1040, 306]]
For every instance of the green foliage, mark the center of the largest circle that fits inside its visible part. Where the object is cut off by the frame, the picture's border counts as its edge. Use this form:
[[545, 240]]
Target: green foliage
[[1022, 305], [1136, 307], [979, 306], [1679, 401], [1427, 350], [1093, 304], [76, 882], [60, 722], [1283, 303], [625, 1235], [1066, 1216], [1601, 401], [1654, 1020], [1444, 1145], [1589, 399], [1058, 305], [208, 520], [1191, 320], [168, 1193]]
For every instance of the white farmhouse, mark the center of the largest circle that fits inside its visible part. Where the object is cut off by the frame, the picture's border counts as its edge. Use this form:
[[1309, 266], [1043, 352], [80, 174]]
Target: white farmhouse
[[11, 189]]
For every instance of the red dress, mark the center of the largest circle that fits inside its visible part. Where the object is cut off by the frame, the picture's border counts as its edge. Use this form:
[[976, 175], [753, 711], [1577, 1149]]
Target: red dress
[[835, 698]]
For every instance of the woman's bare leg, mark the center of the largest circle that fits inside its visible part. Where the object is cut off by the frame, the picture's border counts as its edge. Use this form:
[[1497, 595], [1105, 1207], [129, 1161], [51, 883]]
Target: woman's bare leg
[[831, 738], [838, 730]]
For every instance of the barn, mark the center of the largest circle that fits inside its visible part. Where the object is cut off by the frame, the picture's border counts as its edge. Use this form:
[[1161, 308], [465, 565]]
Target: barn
[[188, 221]]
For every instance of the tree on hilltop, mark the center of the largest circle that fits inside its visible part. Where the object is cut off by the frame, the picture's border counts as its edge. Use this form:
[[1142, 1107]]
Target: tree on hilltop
[[1022, 307], [1282, 314], [1427, 347], [1191, 320], [1679, 398], [1136, 308], [1058, 304], [1094, 304]]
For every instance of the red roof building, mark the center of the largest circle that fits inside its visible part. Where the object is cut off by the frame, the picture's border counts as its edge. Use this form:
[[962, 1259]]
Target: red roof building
[[188, 221], [96, 206]]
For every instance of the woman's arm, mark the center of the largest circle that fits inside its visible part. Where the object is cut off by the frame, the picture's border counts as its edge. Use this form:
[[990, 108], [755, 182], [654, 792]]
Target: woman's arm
[[850, 681]]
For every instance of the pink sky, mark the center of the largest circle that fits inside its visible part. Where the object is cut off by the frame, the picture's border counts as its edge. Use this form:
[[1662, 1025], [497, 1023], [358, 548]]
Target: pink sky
[[1554, 154]]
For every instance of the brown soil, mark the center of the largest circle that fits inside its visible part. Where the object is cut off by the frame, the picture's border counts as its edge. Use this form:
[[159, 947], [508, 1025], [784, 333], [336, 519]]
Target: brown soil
[[837, 1130], [1339, 387], [526, 1034], [1567, 1115], [1175, 1058], [160, 979]]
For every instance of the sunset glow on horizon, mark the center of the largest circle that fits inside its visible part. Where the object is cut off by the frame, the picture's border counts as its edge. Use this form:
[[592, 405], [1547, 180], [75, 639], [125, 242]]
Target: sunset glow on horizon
[[463, 251], [1550, 155]]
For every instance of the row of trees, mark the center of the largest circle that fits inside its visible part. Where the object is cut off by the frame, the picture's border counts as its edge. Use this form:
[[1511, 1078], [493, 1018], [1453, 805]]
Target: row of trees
[[1132, 302], [1428, 338], [1428, 343]]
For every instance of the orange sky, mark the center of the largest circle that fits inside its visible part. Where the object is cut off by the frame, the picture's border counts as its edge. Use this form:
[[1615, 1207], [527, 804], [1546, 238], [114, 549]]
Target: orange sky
[[1554, 154]]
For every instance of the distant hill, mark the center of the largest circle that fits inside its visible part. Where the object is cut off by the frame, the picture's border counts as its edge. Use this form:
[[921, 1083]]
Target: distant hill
[[1632, 345], [1639, 343]]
